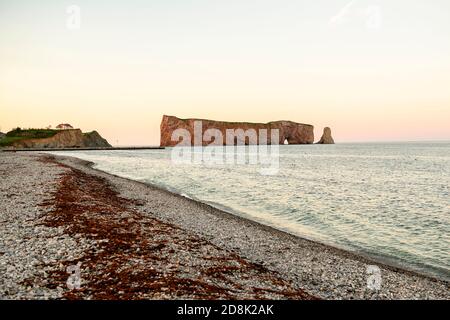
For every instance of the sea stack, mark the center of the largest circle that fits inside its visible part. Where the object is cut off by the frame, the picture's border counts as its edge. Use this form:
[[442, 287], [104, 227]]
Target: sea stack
[[326, 137]]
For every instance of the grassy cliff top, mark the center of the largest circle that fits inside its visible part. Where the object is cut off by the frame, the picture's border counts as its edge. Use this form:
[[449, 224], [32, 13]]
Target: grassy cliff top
[[20, 134]]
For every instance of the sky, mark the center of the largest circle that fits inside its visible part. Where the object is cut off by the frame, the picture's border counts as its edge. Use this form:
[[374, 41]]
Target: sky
[[370, 70]]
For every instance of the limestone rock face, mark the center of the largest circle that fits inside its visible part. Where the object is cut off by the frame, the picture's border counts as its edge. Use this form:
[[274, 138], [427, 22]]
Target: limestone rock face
[[326, 137], [293, 132], [66, 139]]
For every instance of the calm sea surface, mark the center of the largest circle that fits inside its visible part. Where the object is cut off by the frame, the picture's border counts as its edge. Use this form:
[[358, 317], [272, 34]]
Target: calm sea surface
[[388, 201]]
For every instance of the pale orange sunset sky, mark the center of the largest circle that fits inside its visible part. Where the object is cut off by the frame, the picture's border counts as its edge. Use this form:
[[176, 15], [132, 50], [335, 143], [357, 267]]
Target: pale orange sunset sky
[[371, 70]]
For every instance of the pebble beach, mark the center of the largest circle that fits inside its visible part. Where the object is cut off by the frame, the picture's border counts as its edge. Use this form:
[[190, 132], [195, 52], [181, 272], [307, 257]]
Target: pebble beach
[[136, 241]]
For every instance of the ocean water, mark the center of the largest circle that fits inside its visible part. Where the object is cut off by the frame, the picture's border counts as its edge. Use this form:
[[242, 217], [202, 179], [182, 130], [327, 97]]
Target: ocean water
[[388, 201]]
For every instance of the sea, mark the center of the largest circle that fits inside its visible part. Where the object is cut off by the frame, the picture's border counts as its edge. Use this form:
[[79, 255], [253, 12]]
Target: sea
[[386, 201]]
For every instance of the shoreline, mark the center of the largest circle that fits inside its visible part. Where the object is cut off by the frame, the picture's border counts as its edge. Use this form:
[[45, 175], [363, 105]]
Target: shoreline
[[80, 149], [263, 227], [317, 269], [385, 261]]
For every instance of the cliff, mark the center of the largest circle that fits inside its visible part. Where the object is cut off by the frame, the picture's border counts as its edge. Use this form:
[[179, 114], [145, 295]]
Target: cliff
[[293, 132], [65, 139], [326, 137], [95, 140]]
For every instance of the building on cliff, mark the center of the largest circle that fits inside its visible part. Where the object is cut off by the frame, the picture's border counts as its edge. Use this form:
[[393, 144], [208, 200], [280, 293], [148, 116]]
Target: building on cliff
[[64, 126]]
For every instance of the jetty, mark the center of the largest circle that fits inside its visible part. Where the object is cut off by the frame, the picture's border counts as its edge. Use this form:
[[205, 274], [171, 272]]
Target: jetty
[[82, 149]]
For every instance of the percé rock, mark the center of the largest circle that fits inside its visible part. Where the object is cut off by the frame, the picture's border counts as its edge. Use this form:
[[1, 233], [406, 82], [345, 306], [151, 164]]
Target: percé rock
[[72, 138], [326, 137], [293, 132]]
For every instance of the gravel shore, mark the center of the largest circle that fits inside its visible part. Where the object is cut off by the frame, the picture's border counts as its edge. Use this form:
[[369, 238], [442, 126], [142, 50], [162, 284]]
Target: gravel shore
[[134, 241]]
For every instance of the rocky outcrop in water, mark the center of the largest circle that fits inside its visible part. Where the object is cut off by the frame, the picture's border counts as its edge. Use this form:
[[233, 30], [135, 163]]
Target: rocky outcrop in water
[[66, 139], [326, 137], [293, 132]]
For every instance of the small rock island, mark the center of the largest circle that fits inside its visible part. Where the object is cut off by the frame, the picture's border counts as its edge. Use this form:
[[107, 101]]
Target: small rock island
[[326, 137]]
